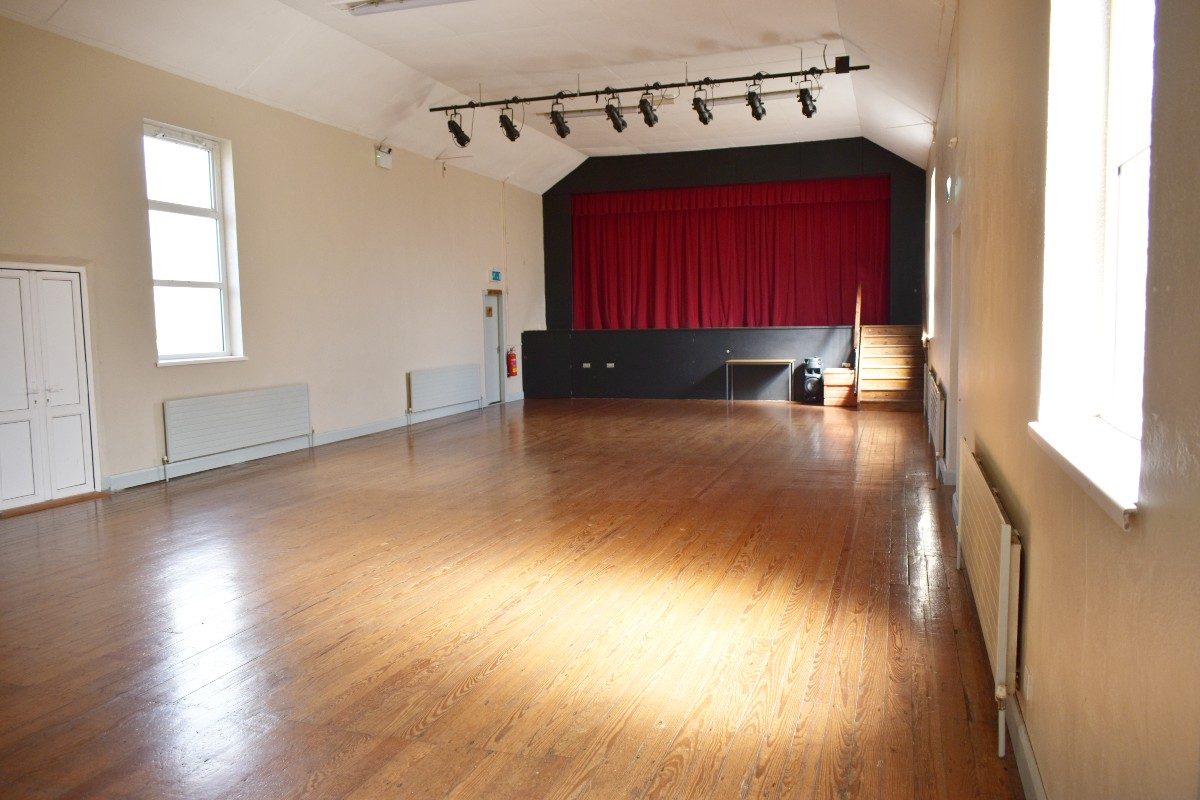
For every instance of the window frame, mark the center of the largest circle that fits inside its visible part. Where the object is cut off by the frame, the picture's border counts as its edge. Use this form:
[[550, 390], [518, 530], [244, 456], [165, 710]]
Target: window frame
[[1080, 422], [221, 212]]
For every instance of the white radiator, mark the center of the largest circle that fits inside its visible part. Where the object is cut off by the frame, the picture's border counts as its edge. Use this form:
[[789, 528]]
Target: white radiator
[[991, 551], [935, 413], [218, 423], [439, 387]]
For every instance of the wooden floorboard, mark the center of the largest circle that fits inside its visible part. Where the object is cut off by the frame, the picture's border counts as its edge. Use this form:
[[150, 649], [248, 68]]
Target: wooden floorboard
[[549, 599]]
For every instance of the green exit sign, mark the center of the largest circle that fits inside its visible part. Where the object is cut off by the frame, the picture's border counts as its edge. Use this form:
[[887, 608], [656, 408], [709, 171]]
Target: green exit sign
[[495, 276]]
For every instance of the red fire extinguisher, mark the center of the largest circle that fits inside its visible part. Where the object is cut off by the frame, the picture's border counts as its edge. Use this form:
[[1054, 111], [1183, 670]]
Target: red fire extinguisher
[[511, 359]]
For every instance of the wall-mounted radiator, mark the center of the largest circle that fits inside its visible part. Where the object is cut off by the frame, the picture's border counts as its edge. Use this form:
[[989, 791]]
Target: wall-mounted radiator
[[440, 387], [991, 551], [935, 413], [219, 423]]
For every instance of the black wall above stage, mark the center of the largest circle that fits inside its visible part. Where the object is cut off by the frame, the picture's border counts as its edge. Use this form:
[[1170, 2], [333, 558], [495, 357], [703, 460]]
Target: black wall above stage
[[686, 363], [839, 158]]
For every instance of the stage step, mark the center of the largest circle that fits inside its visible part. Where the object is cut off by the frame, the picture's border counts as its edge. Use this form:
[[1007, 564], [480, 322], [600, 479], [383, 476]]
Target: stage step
[[905, 343], [887, 395], [891, 362], [903, 330], [872, 374], [873, 361]]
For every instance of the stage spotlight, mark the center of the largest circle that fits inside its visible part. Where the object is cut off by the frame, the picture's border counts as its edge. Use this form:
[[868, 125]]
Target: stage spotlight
[[754, 100], [506, 122], [613, 110], [702, 110], [559, 121], [454, 123], [807, 103], [646, 106]]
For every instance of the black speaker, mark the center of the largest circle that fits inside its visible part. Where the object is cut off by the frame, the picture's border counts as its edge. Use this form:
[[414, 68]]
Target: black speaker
[[813, 388]]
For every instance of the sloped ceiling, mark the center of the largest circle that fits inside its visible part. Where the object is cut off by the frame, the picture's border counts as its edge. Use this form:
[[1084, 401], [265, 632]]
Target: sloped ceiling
[[378, 74]]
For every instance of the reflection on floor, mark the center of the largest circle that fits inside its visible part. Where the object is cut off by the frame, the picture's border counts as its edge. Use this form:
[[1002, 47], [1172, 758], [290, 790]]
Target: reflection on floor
[[554, 599]]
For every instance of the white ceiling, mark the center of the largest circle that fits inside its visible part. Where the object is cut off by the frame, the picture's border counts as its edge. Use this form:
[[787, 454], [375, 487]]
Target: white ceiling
[[378, 74]]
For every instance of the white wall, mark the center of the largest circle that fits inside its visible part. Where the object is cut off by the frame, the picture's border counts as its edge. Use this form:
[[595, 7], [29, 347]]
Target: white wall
[[1110, 647], [351, 275]]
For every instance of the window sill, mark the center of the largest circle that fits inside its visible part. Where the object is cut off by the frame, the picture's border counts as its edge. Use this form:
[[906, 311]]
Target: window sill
[[1102, 460], [177, 362]]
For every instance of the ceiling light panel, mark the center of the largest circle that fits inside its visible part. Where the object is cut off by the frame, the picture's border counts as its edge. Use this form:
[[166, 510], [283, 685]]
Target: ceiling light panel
[[360, 8]]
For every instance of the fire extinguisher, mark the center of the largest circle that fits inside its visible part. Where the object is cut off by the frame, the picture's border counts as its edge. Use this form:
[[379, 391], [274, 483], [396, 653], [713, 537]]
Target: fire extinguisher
[[511, 360]]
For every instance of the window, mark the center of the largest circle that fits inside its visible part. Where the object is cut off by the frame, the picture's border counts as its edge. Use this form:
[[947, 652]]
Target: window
[[1098, 159], [931, 268], [192, 260]]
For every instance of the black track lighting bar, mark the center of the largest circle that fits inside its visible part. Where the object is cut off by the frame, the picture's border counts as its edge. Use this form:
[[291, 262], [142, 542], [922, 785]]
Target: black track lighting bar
[[843, 66]]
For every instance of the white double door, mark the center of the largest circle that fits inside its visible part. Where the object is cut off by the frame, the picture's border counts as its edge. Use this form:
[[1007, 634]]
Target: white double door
[[45, 413]]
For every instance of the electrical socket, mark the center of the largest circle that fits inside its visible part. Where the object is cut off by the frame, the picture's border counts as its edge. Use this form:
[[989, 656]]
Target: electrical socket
[[610, 365], [587, 365]]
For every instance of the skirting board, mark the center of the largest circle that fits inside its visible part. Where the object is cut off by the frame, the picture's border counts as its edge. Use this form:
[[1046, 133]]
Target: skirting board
[[342, 434], [127, 480], [444, 411], [948, 477], [1031, 777]]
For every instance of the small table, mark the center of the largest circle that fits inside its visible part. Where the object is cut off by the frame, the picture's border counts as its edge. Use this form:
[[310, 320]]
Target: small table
[[790, 363]]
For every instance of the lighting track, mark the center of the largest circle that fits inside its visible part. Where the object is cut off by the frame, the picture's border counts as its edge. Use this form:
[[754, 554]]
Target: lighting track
[[841, 67]]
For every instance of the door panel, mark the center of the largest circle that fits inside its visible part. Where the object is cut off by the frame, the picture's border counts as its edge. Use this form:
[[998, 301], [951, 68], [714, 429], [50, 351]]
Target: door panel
[[61, 345], [68, 456], [18, 469], [15, 380], [24, 477], [491, 348], [59, 304]]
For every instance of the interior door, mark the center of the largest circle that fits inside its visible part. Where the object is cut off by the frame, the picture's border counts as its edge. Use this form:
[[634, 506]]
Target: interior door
[[23, 474], [491, 348], [59, 304]]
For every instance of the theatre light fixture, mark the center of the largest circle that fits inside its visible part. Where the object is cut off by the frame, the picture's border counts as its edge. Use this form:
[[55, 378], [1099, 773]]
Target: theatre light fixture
[[454, 123], [807, 103], [646, 106], [559, 121], [700, 104], [754, 100], [613, 110], [510, 127]]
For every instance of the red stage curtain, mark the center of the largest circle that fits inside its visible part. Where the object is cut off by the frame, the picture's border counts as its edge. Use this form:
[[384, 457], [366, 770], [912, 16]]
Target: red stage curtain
[[753, 255]]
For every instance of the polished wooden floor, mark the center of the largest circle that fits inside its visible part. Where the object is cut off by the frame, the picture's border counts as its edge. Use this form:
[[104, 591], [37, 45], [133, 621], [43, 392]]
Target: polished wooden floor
[[565, 599]]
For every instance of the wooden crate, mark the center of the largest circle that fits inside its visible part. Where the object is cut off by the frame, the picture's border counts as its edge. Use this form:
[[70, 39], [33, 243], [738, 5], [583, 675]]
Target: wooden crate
[[839, 387]]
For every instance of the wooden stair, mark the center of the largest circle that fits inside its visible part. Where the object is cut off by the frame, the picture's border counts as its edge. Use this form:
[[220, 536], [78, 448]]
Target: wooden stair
[[891, 364]]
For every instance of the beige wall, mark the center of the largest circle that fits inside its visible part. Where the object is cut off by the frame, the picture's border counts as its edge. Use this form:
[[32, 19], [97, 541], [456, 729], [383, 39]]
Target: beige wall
[[351, 275], [1111, 639]]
